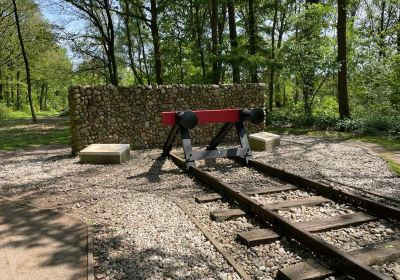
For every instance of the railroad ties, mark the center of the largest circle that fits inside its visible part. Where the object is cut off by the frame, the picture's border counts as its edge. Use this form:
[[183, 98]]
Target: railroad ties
[[354, 263]]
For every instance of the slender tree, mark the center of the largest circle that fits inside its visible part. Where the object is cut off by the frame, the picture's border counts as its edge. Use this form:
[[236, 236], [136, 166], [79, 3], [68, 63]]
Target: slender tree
[[18, 101], [272, 65], [309, 74], [252, 40], [26, 61], [132, 65], [344, 109], [156, 41], [398, 30], [234, 42], [213, 6]]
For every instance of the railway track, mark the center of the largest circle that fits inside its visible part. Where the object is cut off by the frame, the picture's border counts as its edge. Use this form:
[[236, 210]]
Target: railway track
[[271, 207]]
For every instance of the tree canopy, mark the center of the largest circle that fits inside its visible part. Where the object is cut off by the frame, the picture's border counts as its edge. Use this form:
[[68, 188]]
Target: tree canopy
[[316, 56]]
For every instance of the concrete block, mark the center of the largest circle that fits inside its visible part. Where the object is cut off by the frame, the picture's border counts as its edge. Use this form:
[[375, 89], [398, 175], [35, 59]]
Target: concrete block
[[263, 141], [105, 153]]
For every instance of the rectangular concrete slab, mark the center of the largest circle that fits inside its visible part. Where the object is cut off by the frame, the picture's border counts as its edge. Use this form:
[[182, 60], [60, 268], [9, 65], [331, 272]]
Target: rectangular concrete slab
[[263, 141], [105, 154]]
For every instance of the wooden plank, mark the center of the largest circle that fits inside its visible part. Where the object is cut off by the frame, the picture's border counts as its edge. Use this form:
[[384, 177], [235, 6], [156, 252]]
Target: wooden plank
[[262, 236], [378, 254], [309, 201], [309, 270], [208, 198], [269, 190], [336, 222], [257, 237], [224, 215]]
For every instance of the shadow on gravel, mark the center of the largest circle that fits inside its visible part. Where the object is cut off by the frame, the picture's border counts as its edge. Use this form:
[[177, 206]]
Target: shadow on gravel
[[42, 243], [128, 262], [154, 172]]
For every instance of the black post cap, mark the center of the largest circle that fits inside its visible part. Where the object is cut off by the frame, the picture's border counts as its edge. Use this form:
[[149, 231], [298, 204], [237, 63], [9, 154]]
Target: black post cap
[[187, 119], [256, 115]]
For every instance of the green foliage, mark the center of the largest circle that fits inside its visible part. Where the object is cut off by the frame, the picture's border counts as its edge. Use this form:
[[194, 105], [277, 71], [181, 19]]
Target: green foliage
[[371, 125], [50, 66], [374, 125], [4, 111]]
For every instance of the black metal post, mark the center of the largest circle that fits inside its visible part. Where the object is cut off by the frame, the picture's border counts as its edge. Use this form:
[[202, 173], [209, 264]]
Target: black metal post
[[220, 136], [170, 140], [244, 142], [187, 146]]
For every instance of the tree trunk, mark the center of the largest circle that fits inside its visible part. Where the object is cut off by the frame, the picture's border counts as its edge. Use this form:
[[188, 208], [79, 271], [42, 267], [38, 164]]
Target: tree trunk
[[398, 31], [252, 40], [41, 97], [199, 39], [272, 65], [18, 101], [309, 76], [111, 46], [381, 31], [180, 45], [344, 110], [221, 29], [46, 92], [26, 62], [214, 40], [1, 85], [234, 42], [8, 90], [156, 41], [130, 45], [146, 69]]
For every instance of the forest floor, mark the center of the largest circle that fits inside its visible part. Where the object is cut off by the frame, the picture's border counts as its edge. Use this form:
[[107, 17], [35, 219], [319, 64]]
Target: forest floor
[[20, 133]]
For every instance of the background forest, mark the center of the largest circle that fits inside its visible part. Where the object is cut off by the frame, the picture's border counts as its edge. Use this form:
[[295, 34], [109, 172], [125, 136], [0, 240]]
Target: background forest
[[327, 64]]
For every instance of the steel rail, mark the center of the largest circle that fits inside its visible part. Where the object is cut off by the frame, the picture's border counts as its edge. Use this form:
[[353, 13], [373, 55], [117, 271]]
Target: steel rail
[[377, 208], [337, 259]]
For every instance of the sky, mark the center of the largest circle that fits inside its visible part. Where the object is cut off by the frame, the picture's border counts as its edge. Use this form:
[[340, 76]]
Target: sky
[[58, 14]]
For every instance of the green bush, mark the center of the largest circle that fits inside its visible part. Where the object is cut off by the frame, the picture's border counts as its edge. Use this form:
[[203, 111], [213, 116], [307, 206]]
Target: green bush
[[375, 125], [4, 112], [371, 125]]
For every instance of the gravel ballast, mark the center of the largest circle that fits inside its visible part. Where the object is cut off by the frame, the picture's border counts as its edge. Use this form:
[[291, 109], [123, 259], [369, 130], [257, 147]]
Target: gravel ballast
[[140, 233]]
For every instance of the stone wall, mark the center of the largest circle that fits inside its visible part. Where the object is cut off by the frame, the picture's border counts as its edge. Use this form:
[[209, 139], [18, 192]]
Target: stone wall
[[107, 114]]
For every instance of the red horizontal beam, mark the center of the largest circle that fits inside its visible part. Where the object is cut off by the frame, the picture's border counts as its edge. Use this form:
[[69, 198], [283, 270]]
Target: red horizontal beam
[[206, 116]]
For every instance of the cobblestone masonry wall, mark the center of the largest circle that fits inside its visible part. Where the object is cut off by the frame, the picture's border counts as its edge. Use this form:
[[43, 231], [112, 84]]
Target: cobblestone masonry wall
[[107, 114]]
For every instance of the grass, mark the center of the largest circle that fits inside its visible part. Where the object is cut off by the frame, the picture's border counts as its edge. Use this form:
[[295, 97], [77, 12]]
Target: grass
[[27, 114], [390, 144], [394, 166], [22, 134]]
